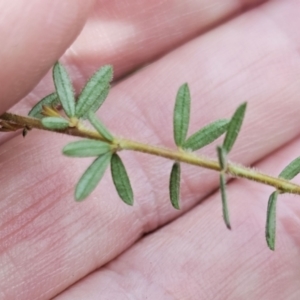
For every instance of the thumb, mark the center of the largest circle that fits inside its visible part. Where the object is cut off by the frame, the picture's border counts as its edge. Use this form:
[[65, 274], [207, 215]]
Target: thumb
[[33, 35]]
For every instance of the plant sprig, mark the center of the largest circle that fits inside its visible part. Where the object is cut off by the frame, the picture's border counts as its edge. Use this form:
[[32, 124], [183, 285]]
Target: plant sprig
[[103, 145]]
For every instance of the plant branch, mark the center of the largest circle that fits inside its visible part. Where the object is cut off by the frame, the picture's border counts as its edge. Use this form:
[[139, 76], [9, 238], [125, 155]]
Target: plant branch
[[179, 155]]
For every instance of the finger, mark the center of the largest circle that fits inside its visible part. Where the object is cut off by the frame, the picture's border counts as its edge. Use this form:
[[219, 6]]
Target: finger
[[130, 34], [196, 257], [118, 34], [102, 227], [32, 37]]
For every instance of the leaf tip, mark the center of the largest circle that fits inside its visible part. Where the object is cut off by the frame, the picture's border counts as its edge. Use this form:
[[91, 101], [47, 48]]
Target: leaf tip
[[129, 202], [228, 225], [271, 244], [79, 197], [185, 85], [176, 206]]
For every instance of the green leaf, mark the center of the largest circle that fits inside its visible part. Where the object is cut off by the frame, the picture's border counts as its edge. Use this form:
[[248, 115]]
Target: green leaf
[[206, 135], [224, 200], [50, 100], [234, 127], [271, 221], [291, 170], [102, 130], [222, 158], [174, 185], [181, 114], [64, 89], [91, 177], [95, 92], [121, 179], [86, 148], [55, 123]]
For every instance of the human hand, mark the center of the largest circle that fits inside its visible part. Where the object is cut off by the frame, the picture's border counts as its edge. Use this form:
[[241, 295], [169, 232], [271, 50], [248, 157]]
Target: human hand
[[96, 249]]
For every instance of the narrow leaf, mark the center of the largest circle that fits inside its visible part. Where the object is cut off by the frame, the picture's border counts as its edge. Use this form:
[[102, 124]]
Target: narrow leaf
[[95, 92], [291, 170], [271, 221], [50, 100], [91, 177], [181, 114], [206, 135], [102, 130], [55, 123], [86, 148], [222, 158], [234, 127], [121, 179], [224, 200], [64, 89], [174, 185]]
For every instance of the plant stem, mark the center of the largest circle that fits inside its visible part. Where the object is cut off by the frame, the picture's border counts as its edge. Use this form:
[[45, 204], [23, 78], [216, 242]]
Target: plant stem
[[37, 124], [232, 169], [176, 155]]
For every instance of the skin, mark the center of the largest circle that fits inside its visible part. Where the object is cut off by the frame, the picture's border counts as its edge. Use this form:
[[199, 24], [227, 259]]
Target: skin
[[228, 52]]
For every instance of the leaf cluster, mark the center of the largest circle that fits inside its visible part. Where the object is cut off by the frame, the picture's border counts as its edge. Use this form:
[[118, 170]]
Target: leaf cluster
[[74, 110], [201, 138]]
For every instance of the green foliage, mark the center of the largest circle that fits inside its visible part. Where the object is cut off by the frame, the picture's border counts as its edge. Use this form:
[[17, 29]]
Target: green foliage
[[64, 89], [288, 173], [55, 123], [291, 170], [121, 179], [50, 100], [234, 127], [224, 200], [86, 148], [271, 221], [181, 114], [102, 130], [95, 92], [223, 165], [174, 186], [206, 135], [91, 177], [222, 157]]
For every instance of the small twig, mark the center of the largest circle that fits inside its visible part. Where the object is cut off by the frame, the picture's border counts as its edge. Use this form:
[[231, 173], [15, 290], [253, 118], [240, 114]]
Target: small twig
[[175, 155]]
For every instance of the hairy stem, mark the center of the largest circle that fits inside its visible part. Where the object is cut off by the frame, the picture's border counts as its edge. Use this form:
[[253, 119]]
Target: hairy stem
[[177, 155]]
